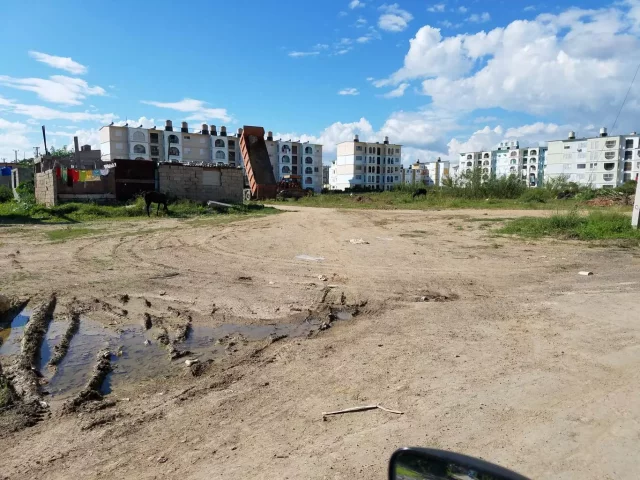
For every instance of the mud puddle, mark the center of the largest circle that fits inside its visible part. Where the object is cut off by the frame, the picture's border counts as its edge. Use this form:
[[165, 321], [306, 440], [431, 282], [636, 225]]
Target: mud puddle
[[137, 355]]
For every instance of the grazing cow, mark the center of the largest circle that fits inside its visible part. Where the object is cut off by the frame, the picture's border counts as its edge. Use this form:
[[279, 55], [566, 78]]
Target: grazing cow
[[155, 197], [420, 191]]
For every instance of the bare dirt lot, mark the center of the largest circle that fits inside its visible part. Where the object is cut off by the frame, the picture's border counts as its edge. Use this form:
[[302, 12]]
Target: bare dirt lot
[[491, 346]]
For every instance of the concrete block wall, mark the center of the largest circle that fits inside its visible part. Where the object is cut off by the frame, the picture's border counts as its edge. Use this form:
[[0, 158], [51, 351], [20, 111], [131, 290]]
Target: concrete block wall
[[192, 183], [46, 188]]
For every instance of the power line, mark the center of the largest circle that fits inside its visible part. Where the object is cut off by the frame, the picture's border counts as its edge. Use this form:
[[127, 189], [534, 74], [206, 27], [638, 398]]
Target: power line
[[625, 98]]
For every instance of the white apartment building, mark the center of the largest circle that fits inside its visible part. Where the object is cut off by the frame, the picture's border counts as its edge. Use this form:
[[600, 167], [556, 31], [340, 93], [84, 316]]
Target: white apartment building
[[508, 159], [430, 173], [297, 159], [602, 162], [376, 166], [470, 160]]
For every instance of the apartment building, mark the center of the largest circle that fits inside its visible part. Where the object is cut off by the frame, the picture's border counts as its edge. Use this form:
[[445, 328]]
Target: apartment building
[[168, 145], [376, 166], [602, 162], [208, 145], [293, 158], [507, 158], [429, 173]]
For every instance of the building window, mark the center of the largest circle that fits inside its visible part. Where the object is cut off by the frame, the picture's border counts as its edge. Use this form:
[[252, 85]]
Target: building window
[[219, 143], [285, 159], [220, 155], [533, 168], [513, 161], [285, 149], [138, 137], [567, 147], [155, 150], [607, 177], [532, 152], [514, 153], [628, 155], [609, 166], [316, 169], [469, 157], [358, 158], [627, 166], [469, 164], [187, 137], [153, 137], [358, 149], [609, 155], [357, 177], [308, 170], [610, 144], [173, 139], [286, 169], [174, 151], [626, 177], [581, 165], [486, 155], [358, 168], [139, 149], [309, 150], [396, 178], [628, 143]]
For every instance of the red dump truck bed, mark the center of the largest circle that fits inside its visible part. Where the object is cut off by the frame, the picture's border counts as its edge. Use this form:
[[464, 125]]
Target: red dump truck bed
[[257, 163]]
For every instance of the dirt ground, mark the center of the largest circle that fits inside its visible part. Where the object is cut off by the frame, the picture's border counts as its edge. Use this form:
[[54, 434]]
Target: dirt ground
[[526, 363]]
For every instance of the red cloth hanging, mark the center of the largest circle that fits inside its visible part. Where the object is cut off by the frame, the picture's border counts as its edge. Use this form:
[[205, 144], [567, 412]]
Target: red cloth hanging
[[58, 174], [75, 175]]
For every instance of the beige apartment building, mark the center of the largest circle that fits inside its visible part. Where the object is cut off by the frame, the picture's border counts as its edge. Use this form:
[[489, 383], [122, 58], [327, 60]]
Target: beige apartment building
[[377, 166], [205, 145]]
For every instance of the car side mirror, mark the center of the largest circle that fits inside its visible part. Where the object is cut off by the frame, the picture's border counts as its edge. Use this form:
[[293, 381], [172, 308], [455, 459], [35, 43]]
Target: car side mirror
[[430, 464]]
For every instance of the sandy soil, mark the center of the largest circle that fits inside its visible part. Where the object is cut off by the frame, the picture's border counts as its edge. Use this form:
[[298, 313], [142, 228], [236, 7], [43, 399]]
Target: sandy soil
[[528, 365]]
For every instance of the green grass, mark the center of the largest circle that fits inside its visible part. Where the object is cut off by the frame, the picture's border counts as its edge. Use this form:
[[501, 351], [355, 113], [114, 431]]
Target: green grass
[[436, 199], [70, 233], [17, 212], [597, 225]]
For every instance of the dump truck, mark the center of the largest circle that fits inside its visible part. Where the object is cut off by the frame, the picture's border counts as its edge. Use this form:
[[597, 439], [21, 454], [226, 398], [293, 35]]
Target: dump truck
[[257, 164]]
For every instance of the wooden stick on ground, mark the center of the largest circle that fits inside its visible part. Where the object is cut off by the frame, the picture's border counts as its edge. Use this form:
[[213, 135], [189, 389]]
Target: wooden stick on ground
[[361, 409]]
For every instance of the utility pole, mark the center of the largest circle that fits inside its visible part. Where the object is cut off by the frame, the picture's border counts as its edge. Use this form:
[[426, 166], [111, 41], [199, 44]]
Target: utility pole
[[37, 151], [16, 153]]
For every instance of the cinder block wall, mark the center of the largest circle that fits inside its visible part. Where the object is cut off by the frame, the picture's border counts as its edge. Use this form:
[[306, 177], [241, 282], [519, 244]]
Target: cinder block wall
[[201, 184], [46, 188]]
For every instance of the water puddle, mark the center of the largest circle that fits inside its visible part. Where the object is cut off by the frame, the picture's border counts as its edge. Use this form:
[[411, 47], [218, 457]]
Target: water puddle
[[137, 355]]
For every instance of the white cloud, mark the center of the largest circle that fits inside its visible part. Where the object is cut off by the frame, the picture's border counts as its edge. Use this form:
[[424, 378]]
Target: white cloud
[[576, 63], [462, 9], [56, 89], [394, 19], [63, 63], [343, 51], [485, 119], [297, 54], [529, 8], [361, 22], [397, 92], [479, 18], [370, 35], [484, 139], [197, 108], [321, 46], [13, 136], [144, 121], [342, 14], [40, 112], [356, 4], [438, 7], [349, 91]]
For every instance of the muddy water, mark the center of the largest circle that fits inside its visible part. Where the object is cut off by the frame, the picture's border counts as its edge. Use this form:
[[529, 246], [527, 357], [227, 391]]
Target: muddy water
[[138, 356]]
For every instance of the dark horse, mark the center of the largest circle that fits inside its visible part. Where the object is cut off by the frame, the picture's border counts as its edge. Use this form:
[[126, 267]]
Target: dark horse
[[155, 197], [420, 191]]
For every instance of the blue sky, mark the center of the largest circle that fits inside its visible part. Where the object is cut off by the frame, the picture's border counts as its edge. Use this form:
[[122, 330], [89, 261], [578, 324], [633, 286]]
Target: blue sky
[[435, 76]]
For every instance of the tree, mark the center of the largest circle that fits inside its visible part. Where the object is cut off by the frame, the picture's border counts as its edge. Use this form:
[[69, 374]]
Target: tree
[[61, 152]]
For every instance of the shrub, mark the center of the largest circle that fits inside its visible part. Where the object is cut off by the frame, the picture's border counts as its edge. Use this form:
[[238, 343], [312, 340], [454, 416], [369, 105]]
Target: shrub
[[538, 195], [6, 195]]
